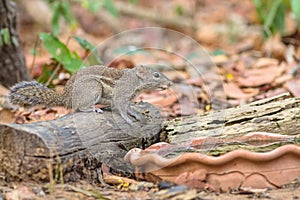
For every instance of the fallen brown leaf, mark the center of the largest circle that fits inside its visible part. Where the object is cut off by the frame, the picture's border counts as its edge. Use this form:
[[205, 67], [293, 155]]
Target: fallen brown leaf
[[265, 62], [3, 90], [260, 76], [233, 91], [294, 87]]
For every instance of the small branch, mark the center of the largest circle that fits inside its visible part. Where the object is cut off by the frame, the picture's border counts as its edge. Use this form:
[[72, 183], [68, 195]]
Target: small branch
[[37, 42]]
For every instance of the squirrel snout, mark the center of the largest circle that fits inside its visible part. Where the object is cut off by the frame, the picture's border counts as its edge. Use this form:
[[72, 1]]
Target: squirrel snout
[[166, 85]]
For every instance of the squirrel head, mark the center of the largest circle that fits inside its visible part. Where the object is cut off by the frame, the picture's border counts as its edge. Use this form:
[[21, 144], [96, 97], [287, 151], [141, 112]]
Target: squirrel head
[[151, 79]]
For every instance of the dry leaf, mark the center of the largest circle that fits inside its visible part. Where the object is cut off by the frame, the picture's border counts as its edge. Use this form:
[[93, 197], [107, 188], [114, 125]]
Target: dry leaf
[[274, 47], [260, 76], [294, 87], [233, 91], [265, 62], [207, 35], [6, 116], [162, 98], [3, 90]]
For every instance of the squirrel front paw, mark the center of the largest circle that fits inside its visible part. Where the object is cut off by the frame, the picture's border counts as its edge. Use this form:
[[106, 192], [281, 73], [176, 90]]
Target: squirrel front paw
[[131, 116], [137, 114]]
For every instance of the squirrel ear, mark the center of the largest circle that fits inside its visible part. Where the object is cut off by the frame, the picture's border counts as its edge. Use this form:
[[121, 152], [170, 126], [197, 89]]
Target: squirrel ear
[[141, 71]]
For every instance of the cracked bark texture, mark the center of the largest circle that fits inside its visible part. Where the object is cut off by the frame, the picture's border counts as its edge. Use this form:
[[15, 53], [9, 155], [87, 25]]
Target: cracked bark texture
[[279, 114], [74, 146], [13, 67]]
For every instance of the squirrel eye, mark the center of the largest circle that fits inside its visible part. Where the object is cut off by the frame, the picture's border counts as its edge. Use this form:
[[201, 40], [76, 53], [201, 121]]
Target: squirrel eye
[[156, 75]]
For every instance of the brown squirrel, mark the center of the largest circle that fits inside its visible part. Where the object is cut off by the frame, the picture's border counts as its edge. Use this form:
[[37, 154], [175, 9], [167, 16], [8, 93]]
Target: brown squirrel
[[90, 86]]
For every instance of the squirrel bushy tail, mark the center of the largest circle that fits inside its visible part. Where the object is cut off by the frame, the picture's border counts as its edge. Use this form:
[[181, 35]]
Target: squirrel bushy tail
[[33, 93]]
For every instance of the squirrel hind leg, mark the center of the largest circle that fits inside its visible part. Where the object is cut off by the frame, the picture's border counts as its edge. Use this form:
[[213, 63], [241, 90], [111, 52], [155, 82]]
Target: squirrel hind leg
[[85, 104], [86, 93]]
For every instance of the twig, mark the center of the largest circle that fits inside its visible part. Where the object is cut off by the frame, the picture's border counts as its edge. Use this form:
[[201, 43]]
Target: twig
[[93, 193], [57, 68], [37, 42]]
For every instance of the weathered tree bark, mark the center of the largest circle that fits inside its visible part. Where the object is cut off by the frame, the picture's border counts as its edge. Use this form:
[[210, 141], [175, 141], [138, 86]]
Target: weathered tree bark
[[279, 115], [13, 68], [74, 146], [78, 143]]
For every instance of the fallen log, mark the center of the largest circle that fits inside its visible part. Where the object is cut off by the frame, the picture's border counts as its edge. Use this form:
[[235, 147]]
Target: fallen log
[[78, 143], [73, 147], [279, 114]]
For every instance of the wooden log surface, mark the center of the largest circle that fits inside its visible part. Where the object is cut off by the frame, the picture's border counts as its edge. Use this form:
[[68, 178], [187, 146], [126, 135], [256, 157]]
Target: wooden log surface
[[74, 146], [78, 143], [279, 115]]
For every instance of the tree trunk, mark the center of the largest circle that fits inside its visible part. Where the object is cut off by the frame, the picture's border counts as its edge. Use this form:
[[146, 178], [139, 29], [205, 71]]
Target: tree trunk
[[13, 67]]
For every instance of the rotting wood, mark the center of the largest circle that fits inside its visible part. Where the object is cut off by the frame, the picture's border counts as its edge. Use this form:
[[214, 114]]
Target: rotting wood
[[274, 115]]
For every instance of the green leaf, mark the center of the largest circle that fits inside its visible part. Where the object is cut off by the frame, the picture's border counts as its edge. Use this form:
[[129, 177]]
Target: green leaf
[[179, 10], [295, 5], [110, 6], [85, 3], [93, 58], [96, 6], [57, 49], [218, 52], [61, 9], [55, 18], [67, 14], [33, 51], [86, 45], [279, 19], [93, 5], [272, 13], [5, 36], [61, 53]]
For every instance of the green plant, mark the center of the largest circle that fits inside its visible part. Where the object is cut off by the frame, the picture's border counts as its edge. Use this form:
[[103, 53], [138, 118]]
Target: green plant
[[272, 14], [91, 52], [61, 10], [64, 57], [95, 5], [61, 53]]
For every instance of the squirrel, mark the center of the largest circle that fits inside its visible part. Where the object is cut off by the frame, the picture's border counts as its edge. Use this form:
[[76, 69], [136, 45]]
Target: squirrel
[[90, 86]]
